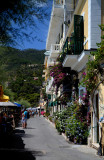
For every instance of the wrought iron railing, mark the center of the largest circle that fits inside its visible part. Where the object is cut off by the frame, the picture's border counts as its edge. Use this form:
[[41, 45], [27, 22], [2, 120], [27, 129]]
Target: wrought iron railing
[[59, 2], [55, 47], [74, 45]]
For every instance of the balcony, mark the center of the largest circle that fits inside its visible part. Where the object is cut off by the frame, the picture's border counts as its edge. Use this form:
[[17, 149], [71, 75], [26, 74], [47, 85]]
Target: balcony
[[55, 49], [56, 21], [77, 62], [51, 61], [48, 87], [71, 51], [44, 70], [58, 3], [82, 59], [74, 45]]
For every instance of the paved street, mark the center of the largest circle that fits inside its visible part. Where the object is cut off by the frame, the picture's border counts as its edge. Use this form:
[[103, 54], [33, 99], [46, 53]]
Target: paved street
[[42, 140]]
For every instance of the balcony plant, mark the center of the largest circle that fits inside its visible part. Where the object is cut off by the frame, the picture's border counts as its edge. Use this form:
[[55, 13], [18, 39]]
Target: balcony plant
[[73, 121], [76, 124], [60, 118], [93, 70], [57, 73]]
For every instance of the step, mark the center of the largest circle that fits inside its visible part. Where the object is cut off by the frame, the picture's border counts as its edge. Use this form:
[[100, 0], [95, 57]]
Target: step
[[95, 145]]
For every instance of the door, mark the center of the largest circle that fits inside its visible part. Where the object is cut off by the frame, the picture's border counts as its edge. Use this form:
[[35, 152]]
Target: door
[[97, 114]]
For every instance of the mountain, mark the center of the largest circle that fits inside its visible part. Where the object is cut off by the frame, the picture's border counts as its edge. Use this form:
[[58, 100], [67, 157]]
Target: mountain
[[12, 58], [21, 71]]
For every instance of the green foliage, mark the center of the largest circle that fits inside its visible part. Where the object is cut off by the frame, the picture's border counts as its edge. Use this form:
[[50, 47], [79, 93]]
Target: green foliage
[[24, 86], [9, 93], [73, 121], [12, 58], [18, 70], [50, 118], [24, 103], [75, 128], [47, 114], [15, 15], [59, 126], [60, 119], [93, 70], [44, 94]]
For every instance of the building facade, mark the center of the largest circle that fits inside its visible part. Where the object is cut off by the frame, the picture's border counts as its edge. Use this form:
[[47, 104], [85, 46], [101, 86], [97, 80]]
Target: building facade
[[74, 31]]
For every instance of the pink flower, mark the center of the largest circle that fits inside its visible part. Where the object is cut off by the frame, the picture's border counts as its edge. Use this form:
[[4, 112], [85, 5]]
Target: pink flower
[[84, 73]]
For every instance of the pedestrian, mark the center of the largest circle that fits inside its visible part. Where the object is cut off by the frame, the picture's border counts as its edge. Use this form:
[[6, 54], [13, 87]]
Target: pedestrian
[[36, 112], [33, 113], [25, 118], [39, 113]]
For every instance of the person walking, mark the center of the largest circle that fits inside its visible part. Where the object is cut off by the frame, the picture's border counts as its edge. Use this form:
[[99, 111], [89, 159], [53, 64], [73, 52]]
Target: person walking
[[25, 118]]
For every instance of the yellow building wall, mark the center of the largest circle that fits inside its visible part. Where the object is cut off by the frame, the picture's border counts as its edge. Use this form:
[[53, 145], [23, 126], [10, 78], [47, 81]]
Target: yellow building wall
[[101, 88], [102, 13], [101, 100], [46, 68], [83, 10]]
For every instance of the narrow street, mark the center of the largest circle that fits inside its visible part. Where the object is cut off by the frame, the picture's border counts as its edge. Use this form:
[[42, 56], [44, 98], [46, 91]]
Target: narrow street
[[42, 140]]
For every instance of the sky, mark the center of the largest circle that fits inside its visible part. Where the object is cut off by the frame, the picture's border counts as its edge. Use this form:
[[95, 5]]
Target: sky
[[40, 33]]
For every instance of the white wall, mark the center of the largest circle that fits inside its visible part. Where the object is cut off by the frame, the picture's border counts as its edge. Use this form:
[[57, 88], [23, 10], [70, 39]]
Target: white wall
[[94, 19]]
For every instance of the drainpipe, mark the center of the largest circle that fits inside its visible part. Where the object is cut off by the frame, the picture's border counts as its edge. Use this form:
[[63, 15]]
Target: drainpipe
[[102, 138], [64, 34]]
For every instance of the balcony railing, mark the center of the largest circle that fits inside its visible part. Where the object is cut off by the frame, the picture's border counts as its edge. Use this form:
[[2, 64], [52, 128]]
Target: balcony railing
[[75, 44], [50, 62], [48, 87], [58, 2]]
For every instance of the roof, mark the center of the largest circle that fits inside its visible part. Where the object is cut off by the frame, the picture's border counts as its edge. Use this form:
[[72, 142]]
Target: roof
[[7, 104]]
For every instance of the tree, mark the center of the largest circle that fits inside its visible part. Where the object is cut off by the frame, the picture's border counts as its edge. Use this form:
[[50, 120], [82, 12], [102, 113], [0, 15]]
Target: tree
[[25, 103], [15, 15], [9, 93]]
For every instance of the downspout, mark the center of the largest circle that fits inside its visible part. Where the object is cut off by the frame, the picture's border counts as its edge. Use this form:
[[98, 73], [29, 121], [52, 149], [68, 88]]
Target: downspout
[[64, 29]]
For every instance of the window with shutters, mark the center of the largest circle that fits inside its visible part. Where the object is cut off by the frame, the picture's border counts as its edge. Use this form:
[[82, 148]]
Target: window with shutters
[[78, 34]]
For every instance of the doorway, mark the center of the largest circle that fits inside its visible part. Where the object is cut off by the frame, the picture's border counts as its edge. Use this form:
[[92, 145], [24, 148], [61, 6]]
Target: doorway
[[95, 120], [97, 114]]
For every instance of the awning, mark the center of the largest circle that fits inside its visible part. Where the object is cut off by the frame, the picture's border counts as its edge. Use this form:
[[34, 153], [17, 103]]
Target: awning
[[7, 104], [17, 104]]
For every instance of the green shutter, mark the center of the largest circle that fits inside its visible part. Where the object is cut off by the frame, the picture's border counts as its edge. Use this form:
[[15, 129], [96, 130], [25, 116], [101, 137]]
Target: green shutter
[[49, 96], [78, 34], [72, 43], [50, 104], [55, 103], [66, 48]]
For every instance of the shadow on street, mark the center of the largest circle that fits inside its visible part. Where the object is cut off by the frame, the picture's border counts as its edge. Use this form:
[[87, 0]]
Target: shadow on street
[[13, 148]]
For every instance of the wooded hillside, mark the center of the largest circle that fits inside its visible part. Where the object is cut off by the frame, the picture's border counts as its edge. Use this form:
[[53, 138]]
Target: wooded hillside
[[21, 72]]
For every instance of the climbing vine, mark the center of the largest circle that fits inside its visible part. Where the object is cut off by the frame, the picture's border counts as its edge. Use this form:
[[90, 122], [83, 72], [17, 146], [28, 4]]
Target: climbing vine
[[93, 70]]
